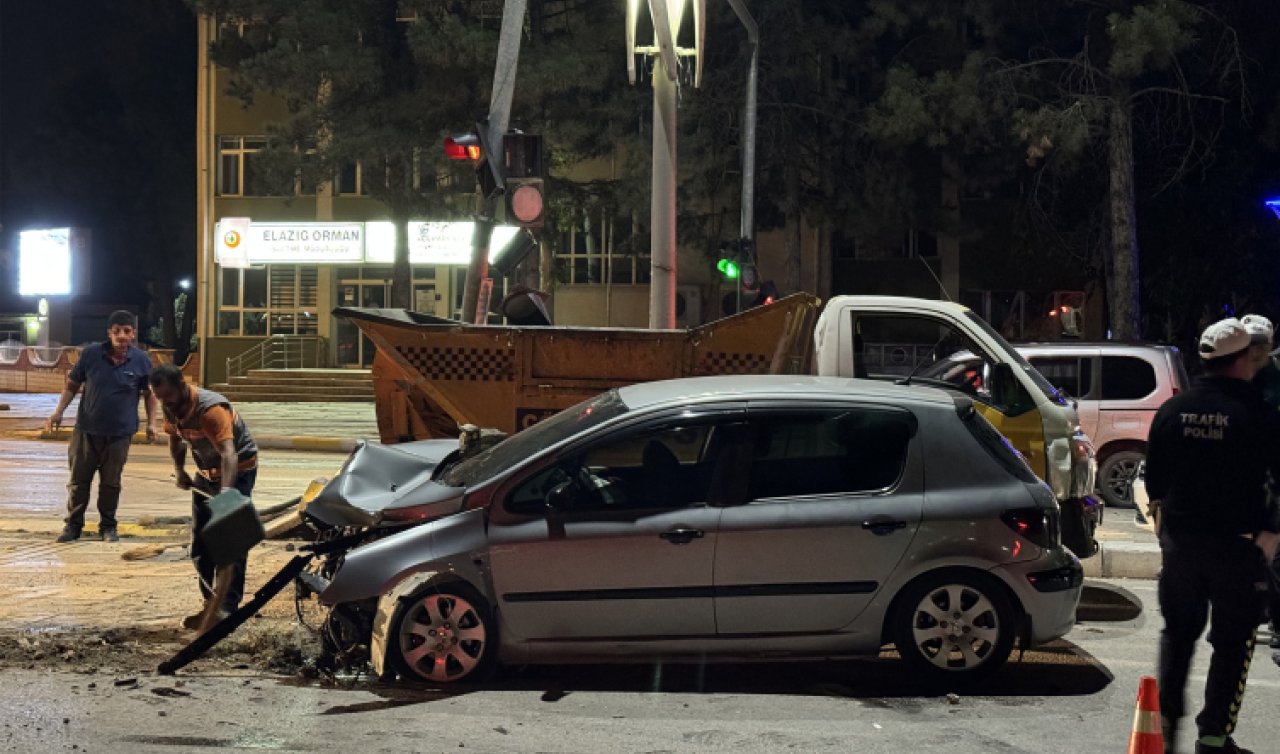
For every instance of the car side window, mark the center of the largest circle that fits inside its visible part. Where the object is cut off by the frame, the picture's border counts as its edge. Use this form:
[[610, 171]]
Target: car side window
[[1125, 378], [1069, 373], [828, 452], [663, 468], [896, 346]]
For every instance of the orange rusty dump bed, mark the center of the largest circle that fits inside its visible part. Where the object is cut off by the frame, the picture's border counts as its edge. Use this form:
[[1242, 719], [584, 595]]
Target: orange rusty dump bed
[[432, 375]]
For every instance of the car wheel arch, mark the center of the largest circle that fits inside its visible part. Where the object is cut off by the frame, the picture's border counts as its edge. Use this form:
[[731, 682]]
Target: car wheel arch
[[400, 592], [1120, 446], [447, 583]]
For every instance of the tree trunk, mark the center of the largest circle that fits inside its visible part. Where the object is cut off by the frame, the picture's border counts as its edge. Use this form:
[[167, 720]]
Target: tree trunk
[[401, 270], [182, 348], [168, 315], [794, 239], [1123, 283], [398, 176], [949, 235]]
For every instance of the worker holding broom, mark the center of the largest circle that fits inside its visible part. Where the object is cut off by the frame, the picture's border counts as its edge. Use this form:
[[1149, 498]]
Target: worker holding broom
[[226, 458]]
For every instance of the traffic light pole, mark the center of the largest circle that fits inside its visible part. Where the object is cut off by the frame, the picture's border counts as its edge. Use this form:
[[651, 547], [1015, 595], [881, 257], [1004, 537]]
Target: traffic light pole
[[504, 81]]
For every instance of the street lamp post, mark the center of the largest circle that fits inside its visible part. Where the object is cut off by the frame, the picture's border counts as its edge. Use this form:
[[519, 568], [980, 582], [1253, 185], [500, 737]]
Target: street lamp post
[[667, 16]]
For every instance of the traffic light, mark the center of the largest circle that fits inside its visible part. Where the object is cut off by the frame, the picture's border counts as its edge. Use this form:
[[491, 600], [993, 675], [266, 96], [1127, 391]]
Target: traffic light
[[474, 147], [735, 259], [525, 189], [737, 267], [463, 147], [729, 269]]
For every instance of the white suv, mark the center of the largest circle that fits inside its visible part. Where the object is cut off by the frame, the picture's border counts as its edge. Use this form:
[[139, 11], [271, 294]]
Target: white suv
[[1117, 388]]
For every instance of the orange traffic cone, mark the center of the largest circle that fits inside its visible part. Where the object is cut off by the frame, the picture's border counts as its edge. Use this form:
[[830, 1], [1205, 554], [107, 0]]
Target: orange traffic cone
[[1147, 737]]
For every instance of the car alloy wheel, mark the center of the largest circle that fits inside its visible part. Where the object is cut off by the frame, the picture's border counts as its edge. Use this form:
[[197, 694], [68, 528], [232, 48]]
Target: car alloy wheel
[[955, 625], [444, 634], [1117, 475]]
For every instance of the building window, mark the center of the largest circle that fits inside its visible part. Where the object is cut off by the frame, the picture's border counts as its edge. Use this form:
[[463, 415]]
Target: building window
[[599, 250], [273, 300], [242, 170], [351, 180]]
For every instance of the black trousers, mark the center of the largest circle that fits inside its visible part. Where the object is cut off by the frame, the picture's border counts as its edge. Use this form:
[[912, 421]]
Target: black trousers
[[95, 454], [200, 515], [1221, 582]]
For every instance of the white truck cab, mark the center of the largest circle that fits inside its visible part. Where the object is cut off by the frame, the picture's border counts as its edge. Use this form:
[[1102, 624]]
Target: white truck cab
[[943, 344]]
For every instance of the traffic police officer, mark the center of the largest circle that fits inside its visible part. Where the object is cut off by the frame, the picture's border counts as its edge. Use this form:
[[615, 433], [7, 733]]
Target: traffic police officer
[[1267, 381], [1209, 454]]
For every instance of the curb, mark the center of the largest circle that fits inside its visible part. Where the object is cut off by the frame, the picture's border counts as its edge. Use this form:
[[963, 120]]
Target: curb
[[1124, 560], [265, 442]]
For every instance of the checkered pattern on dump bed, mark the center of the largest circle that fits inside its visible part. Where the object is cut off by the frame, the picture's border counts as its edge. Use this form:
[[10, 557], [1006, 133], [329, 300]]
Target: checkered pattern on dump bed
[[720, 362], [462, 364]]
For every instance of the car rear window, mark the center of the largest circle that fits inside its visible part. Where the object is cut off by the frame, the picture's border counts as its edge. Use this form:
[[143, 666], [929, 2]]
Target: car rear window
[[996, 444], [1126, 378], [828, 452]]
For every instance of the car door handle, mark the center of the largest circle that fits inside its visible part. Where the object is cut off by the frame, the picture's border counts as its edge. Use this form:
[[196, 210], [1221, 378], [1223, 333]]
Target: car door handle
[[881, 528], [681, 536]]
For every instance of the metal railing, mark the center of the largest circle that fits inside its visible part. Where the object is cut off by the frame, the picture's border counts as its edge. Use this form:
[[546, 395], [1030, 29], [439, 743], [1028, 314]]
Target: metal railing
[[281, 352]]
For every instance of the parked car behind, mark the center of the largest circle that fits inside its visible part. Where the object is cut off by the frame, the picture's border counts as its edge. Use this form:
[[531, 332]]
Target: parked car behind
[[1117, 388], [710, 518]]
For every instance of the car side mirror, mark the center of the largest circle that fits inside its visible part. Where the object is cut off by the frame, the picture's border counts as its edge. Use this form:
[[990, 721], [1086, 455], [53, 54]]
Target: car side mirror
[[563, 496]]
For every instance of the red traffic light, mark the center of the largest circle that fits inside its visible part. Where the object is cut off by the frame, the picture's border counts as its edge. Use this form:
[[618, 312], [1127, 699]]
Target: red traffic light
[[463, 147]]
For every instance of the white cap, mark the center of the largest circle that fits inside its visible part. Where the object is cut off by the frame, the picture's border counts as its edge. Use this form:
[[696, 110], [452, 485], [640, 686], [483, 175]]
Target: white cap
[[1258, 327], [1224, 338]]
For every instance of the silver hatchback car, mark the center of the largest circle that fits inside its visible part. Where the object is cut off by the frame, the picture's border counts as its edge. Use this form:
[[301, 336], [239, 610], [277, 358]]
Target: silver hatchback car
[[726, 517]]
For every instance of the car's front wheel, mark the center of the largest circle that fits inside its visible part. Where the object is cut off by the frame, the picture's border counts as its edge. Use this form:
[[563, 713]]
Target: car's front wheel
[[444, 634], [954, 626]]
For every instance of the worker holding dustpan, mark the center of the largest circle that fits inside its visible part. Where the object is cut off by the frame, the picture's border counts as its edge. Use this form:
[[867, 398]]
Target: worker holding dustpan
[[226, 459]]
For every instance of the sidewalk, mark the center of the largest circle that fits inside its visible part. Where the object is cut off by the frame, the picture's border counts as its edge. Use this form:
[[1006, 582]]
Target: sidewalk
[[333, 427], [1128, 550]]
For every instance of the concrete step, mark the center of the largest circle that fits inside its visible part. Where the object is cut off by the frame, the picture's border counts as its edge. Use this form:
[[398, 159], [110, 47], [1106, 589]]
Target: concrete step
[[279, 396], [350, 374], [321, 392], [300, 381]]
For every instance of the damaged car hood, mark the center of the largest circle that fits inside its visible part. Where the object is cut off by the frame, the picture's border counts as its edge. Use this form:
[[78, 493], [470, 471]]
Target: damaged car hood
[[380, 478]]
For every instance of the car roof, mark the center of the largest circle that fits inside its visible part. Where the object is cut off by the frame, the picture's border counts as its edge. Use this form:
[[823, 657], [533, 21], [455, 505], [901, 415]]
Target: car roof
[[748, 387], [1103, 345]]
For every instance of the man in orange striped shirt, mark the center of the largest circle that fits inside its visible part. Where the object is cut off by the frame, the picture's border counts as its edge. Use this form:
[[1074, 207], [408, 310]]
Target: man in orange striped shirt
[[226, 458]]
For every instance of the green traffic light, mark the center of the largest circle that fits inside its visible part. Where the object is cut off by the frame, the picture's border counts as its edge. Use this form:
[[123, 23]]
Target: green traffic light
[[728, 268]]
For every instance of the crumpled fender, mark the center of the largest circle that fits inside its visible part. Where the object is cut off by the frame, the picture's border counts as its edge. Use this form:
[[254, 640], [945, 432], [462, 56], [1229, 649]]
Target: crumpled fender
[[451, 544]]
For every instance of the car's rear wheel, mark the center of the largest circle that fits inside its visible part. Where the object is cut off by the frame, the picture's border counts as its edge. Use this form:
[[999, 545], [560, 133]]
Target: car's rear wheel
[[954, 626], [1117, 475], [444, 634]]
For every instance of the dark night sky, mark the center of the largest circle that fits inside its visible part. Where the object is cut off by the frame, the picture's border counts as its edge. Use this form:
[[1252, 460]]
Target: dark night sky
[[97, 101]]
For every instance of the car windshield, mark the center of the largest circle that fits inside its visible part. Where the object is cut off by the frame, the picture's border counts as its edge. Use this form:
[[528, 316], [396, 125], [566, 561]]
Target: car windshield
[[544, 434], [1039, 379]]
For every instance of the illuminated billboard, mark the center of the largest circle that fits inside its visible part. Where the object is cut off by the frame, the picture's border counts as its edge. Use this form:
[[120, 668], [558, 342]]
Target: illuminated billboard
[[44, 262], [432, 242]]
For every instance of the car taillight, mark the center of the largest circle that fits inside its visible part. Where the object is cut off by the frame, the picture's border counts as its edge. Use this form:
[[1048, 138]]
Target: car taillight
[[1081, 448], [1038, 525]]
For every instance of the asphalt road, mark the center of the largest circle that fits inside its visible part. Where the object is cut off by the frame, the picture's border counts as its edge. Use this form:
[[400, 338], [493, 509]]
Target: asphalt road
[[1075, 697]]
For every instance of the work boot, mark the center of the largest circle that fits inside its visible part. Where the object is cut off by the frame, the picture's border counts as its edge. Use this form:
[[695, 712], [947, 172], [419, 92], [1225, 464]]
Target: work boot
[[1228, 747], [109, 535], [68, 534]]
